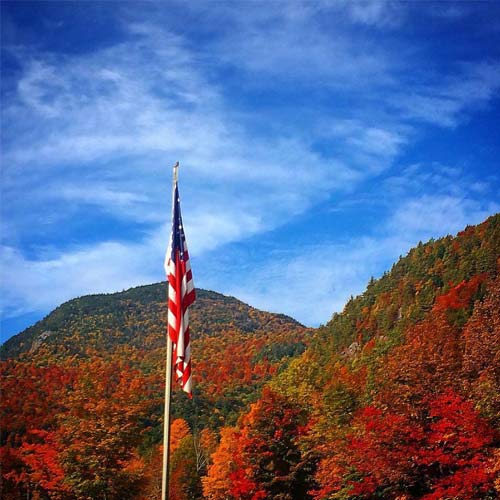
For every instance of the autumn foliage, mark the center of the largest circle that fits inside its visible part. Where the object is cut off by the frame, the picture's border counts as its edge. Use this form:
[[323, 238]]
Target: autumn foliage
[[443, 451]]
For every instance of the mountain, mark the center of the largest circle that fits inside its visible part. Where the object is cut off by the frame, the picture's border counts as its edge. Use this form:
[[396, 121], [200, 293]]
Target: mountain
[[236, 347], [94, 339], [97, 325], [395, 397]]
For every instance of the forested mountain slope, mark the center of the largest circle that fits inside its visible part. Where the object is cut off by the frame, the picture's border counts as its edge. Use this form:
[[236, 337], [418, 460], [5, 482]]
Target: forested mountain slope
[[397, 397], [101, 324]]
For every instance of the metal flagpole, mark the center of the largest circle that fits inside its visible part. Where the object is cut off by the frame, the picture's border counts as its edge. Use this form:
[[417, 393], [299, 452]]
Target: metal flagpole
[[166, 422], [168, 393]]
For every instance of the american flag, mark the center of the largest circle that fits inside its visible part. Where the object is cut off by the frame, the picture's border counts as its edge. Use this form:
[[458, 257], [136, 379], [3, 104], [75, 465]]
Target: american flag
[[181, 295]]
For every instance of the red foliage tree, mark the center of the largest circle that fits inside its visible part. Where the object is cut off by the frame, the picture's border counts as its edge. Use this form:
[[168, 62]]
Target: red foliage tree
[[262, 460], [481, 364], [269, 459], [458, 449], [444, 452]]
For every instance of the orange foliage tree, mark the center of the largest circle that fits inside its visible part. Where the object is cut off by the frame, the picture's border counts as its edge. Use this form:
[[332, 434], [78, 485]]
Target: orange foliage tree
[[217, 483], [101, 429], [263, 460]]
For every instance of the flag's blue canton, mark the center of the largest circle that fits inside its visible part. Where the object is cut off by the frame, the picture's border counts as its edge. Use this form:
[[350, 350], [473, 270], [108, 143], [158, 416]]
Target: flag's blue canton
[[178, 238]]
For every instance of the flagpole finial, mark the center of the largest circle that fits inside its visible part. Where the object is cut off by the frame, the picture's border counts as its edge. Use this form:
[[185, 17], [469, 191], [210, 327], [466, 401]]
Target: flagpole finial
[[176, 170]]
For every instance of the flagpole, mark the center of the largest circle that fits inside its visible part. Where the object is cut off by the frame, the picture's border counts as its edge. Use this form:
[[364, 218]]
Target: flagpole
[[168, 397], [166, 422]]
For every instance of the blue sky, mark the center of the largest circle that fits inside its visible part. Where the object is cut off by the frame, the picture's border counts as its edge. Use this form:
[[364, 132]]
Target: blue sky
[[318, 141]]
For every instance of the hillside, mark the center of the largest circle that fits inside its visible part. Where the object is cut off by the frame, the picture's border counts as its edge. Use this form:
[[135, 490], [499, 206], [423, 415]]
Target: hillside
[[396, 397], [236, 346], [404, 295]]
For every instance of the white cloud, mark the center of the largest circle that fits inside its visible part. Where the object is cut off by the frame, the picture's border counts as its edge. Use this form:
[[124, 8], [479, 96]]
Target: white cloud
[[302, 43], [446, 101], [434, 200], [316, 46], [307, 283], [52, 277], [379, 13], [39, 285], [318, 281], [429, 216], [371, 148], [314, 281], [92, 131], [99, 195], [72, 117]]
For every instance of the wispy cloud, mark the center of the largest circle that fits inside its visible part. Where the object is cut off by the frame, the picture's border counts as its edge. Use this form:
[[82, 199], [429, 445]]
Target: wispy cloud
[[41, 284], [73, 116], [429, 216], [371, 148], [302, 42], [445, 102], [91, 130]]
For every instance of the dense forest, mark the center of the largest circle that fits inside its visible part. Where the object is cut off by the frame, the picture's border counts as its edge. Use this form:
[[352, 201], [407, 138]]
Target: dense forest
[[396, 397]]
